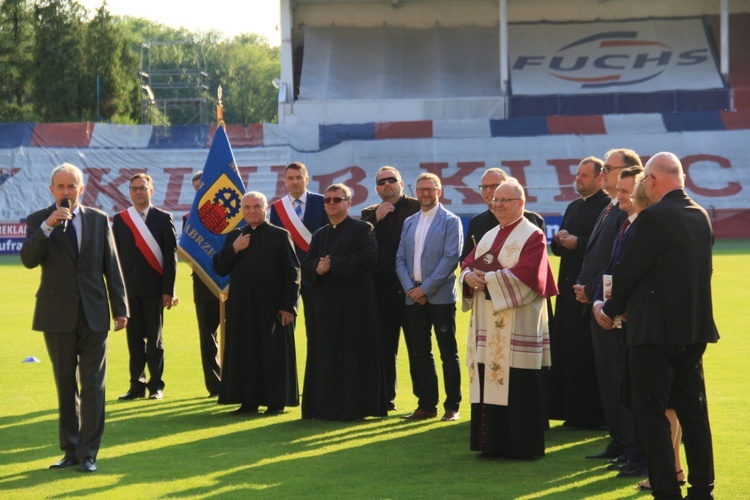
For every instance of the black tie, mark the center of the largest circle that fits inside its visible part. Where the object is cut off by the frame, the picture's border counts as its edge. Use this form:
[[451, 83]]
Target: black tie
[[72, 236]]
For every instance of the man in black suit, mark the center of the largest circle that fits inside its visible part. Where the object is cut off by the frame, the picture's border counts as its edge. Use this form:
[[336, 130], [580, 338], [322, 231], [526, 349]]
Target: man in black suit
[[75, 247], [388, 219], [608, 348], [207, 313], [480, 224], [147, 245], [663, 281]]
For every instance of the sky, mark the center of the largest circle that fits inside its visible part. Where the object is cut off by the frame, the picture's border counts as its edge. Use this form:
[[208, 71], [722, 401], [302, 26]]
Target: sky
[[232, 17]]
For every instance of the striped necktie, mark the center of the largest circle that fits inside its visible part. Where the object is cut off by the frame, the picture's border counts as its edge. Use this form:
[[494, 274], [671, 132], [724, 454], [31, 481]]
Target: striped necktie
[[297, 207]]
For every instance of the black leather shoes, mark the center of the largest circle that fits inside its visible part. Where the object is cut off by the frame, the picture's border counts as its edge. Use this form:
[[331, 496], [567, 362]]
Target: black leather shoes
[[603, 455], [635, 471], [87, 465], [245, 410], [134, 394], [65, 462], [157, 394], [274, 410], [420, 415]]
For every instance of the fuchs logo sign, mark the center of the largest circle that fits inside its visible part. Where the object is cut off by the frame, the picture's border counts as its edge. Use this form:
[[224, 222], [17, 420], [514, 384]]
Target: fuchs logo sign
[[642, 56]]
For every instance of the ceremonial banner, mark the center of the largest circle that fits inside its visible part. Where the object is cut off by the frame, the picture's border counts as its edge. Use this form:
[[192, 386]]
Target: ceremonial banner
[[214, 213]]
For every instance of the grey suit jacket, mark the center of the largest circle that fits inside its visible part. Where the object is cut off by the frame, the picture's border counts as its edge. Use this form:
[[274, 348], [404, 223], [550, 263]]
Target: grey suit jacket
[[66, 279], [439, 258]]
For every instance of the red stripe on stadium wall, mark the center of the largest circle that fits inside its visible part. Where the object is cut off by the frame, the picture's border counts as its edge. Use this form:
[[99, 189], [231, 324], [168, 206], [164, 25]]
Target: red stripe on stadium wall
[[62, 135], [579, 125], [239, 136], [404, 130]]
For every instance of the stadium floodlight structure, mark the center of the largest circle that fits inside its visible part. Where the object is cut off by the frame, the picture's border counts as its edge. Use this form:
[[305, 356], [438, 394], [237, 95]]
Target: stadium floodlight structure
[[174, 83]]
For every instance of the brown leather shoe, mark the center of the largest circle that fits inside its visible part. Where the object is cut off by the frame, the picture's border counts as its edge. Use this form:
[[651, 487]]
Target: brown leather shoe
[[450, 416], [420, 415]]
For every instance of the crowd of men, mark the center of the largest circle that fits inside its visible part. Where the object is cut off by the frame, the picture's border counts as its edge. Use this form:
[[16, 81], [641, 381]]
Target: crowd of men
[[632, 319]]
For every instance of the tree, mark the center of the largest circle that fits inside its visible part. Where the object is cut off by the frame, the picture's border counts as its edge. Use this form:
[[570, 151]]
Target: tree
[[110, 65], [59, 67], [15, 60], [245, 68]]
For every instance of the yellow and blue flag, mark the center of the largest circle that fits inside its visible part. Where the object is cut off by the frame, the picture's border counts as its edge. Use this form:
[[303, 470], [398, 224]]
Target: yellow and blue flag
[[214, 213]]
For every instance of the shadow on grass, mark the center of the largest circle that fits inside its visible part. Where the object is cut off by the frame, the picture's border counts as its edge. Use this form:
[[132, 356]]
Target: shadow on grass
[[196, 448]]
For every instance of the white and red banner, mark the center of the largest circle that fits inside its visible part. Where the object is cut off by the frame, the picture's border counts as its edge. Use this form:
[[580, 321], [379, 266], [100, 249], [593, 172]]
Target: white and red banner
[[717, 166]]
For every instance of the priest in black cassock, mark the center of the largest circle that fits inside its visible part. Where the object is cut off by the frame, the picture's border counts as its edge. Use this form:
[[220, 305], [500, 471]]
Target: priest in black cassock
[[260, 367], [347, 367]]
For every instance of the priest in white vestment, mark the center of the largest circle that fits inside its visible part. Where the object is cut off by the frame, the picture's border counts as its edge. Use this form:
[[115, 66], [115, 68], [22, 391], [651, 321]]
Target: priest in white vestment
[[506, 279]]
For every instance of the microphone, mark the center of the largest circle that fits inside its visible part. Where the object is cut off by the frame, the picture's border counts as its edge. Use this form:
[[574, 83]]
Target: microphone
[[65, 203]]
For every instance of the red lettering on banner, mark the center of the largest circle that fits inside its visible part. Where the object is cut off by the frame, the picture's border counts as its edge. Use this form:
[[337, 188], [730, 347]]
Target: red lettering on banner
[[359, 192], [565, 178], [245, 175], [174, 188], [730, 189], [516, 168], [281, 189], [470, 195], [95, 186]]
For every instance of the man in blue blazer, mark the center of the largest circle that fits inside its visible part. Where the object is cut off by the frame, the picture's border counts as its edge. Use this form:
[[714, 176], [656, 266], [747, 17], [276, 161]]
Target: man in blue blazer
[[425, 265]]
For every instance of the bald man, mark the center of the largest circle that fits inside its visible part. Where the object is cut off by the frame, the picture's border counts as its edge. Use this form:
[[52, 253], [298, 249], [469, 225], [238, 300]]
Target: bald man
[[663, 281]]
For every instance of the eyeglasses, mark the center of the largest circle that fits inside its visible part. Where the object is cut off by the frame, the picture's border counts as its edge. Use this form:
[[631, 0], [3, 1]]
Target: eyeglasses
[[389, 180], [426, 190], [649, 175], [138, 189], [485, 187], [335, 200], [503, 201], [607, 169]]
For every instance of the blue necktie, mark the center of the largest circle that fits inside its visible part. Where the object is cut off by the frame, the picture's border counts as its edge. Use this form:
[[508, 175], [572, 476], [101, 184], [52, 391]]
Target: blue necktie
[[72, 236], [297, 208]]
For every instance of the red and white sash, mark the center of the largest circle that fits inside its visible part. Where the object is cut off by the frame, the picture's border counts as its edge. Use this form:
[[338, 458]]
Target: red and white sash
[[292, 223], [144, 240]]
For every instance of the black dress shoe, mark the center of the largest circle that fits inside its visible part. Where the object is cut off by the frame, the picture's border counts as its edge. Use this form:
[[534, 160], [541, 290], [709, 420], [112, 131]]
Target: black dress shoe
[[626, 465], [274, 410], [635, 471], [65, 462], [134, 394], [87, 465], [245, 410], [157, 394], [603, 455]]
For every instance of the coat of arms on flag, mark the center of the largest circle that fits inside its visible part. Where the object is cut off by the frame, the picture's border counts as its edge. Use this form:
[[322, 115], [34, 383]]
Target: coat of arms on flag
[[214, 213]]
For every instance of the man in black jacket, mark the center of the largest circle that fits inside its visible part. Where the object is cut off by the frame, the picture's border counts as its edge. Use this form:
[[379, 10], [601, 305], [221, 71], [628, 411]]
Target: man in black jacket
[[388, 220]]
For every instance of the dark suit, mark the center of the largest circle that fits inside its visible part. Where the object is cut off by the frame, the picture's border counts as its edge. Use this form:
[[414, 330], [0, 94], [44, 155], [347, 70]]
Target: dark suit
[[207, 313], [608, 346], [145, 288], [664, 282], [73, 312], [391, 301]]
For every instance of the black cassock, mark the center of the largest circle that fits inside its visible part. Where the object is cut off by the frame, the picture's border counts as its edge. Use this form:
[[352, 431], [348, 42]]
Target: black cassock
[[574, 388], [260, 367], [343, 375]]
